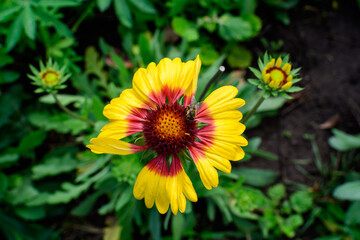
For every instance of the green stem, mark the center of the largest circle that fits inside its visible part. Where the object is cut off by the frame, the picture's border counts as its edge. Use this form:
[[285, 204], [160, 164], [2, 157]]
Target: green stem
[[83, 16], [71, 113], [253, 110], [212, 80]]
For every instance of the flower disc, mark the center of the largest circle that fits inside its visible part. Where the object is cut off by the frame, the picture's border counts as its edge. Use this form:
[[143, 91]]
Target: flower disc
[[167, 130]]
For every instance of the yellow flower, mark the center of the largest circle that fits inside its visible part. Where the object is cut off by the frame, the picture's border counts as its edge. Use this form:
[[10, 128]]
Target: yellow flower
[[276, 75], [160, 106]]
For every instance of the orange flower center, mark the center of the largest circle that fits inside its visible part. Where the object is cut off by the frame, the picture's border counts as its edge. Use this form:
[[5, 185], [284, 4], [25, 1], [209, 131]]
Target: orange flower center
[[168, 131]]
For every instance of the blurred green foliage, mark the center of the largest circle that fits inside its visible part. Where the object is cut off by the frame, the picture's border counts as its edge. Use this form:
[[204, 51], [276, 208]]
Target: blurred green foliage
[[48, 180]]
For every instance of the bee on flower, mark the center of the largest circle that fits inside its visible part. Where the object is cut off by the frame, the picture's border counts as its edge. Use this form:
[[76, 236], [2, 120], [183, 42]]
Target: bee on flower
[[160, 107], [276, 76], [50, 78]]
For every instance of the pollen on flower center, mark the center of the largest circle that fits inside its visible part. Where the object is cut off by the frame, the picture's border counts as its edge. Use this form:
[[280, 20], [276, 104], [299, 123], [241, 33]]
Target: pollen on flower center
[[167, 131]]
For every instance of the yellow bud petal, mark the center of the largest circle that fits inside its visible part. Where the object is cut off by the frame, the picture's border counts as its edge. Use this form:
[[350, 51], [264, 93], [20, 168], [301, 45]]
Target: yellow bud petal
[[272, 84], [266, 78], [286, 86], [278, 62], [289, 78], [286, 68], [271, 63]]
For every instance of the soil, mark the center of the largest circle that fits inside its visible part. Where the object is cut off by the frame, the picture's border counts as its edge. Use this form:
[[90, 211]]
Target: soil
[[325, 42]]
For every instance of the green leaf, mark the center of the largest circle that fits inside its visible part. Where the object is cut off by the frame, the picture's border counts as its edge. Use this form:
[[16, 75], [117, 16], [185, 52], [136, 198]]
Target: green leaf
[[86, 206], [145, 51], [8, 159], [123, 13], [343, 141], [60, 27], [208, 54], [70, 191], [59, 4], [254, 81], [348, 191], [6, 12], [65, 99], [155, 224], [277, 192], [301, 201], [178, 226], [31, 141], [256, 72], [239, 57], [353, 214], [8, 76], [14, 33], [144, 6], [3, 184], [124, 198], [271, 104], [29, 22], [234, 28], [103, 4], [294, 89], [31, 213], [124, 76], [54, 166], [22, 193], [257, 177], [185, 28]]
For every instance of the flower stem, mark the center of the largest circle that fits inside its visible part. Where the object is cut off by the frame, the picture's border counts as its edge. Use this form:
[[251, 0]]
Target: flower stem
[[212, 80], [253, 110], [71, 113]]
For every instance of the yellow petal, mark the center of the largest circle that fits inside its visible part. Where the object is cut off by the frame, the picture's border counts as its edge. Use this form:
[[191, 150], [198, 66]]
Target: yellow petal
[[286, 86], [208, 173], [191, 90], [266, 78], [286, 68], [221, 100], [278, 62], [112, 146]]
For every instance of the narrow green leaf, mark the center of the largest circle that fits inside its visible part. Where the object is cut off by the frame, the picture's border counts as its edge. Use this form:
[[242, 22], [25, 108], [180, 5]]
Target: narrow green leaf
[[253, 81], [103, 4], [31, 213], [124, 198], [144, 6], [256, 72], [294, 89], [8, 11], [60, 27], [145, 51], [86, 206], [353, 214], [123, 13], [32, 140], [177, 226], [29, 22], [60, 4], [14, 33], [257, 177]]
